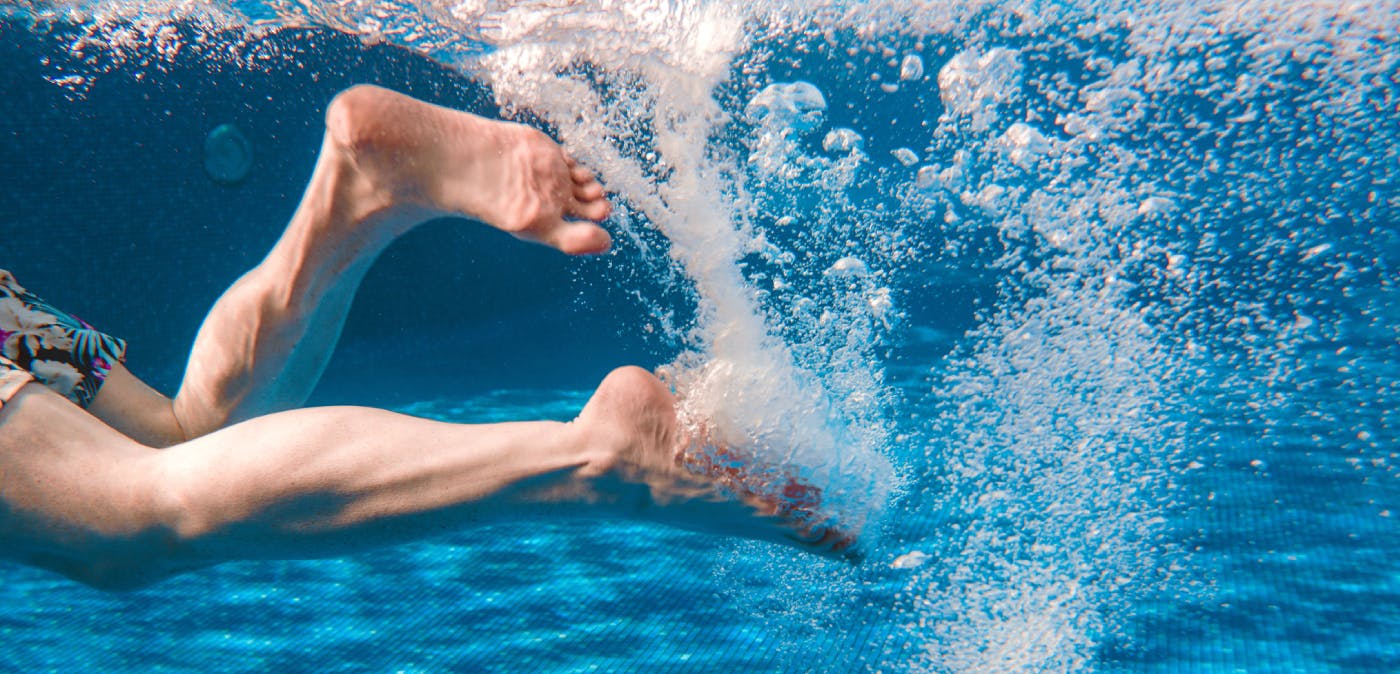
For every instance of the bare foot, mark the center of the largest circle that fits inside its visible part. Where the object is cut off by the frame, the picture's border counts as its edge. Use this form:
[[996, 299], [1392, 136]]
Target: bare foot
[[648, 469], [436, 161]]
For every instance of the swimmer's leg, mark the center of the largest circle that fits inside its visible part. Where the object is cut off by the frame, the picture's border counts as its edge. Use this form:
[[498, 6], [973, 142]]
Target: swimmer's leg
[[387, 163], [89, 502], [649, 475]]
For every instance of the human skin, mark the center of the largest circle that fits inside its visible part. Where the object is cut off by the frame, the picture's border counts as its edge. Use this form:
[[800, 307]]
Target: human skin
[[139, 486]]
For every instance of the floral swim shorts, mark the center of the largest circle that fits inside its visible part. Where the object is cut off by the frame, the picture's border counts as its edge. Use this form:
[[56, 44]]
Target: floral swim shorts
[[41, 343]]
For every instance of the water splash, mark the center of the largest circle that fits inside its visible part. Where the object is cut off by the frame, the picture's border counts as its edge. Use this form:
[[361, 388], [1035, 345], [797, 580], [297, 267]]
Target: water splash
[[740, 384]]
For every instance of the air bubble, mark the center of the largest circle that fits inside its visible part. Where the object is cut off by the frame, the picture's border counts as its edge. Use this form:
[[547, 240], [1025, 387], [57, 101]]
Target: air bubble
[[910, 560], [1156, 206], [880, 304], [228, 155], [847, 266], [842, 141], [926, 178], [797, 105], [911, 68], [1022, 145]]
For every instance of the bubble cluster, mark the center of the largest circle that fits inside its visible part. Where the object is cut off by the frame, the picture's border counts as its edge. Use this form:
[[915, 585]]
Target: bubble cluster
[[973, 84]]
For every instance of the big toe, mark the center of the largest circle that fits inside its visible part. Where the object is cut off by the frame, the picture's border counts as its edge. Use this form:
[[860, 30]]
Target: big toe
[[581, 238]]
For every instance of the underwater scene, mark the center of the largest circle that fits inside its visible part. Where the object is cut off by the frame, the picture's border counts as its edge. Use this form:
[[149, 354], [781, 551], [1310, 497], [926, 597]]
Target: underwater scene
[[1085, 314]]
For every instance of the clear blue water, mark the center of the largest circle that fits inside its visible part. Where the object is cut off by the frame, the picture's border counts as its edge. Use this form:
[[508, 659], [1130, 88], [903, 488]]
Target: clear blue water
[[1111, 286]]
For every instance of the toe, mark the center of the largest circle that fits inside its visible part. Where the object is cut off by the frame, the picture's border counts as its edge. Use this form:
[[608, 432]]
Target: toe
[[589, 191], [596, 210], [581, 175], [581, 238]]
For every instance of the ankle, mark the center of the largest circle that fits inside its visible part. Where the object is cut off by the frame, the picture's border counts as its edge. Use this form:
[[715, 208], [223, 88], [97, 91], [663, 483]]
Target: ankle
[[359, 140], [350, 208]]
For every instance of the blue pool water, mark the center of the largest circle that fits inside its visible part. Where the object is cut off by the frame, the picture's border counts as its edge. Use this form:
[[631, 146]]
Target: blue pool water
[[1100, 300]]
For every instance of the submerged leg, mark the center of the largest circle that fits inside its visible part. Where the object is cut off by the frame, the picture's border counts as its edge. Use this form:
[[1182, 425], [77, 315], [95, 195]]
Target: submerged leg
[[91, 503], [387, 163]]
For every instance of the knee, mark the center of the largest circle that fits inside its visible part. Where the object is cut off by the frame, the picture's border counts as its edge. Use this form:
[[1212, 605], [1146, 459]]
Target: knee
[[142, 542]]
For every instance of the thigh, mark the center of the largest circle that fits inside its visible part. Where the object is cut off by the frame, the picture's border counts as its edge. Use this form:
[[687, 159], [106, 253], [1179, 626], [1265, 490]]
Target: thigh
[[76, 496]]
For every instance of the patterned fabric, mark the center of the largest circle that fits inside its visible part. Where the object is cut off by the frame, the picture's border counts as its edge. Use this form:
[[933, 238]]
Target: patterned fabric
[[11, 378], [55, 348]]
